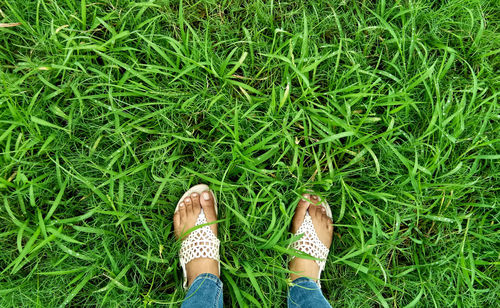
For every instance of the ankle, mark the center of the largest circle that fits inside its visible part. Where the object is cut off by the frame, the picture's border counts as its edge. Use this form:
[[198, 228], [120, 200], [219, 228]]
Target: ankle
[[200, 266], [303, 268]]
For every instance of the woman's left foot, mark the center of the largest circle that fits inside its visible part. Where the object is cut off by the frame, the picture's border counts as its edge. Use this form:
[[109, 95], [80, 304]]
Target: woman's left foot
[[323, 227], [185, 219]]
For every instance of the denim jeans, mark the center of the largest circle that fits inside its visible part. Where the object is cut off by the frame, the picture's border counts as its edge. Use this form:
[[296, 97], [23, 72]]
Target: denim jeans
[[206, 291], [305, 293]]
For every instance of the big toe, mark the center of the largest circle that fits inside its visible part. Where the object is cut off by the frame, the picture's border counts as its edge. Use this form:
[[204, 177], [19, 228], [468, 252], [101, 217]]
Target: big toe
[[300, 211], [315, 211], [207, 203]]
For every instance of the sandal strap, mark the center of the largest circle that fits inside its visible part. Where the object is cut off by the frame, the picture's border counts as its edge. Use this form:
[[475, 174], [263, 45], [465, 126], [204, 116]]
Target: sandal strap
[[310, 244], [200, 243]]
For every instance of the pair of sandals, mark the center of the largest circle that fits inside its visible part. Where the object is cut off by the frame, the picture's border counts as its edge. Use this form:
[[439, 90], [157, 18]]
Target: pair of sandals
[[202, 242]]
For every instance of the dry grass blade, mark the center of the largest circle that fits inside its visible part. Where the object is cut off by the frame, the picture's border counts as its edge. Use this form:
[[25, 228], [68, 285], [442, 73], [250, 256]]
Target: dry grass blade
[[8, 25]]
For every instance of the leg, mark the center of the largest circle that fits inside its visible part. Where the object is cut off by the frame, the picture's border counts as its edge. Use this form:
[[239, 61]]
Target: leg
[[197, 255], [305, 292], [185, 218], [204, 292]]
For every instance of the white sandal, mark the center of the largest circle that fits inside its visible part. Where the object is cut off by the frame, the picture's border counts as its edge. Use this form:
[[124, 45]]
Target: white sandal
[[202, 242], [310, 244]]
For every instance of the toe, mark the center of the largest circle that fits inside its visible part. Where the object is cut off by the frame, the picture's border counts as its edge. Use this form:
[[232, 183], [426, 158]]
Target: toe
[[315, 199], [329, 222], [300, 212], [314, 211], [323, 213], [330, 225], [207, 203], [319, 212], [177, 224], [182, 211], [195, 197], [326, 220], [303, 205], [306, 198], [189, 205]]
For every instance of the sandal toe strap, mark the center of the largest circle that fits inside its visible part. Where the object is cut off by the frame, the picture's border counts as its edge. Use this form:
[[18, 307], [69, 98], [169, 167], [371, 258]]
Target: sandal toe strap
[[200, 243]]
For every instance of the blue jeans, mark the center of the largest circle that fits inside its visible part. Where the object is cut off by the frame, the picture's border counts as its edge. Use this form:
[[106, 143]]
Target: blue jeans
[[305, 293], [206, 291]]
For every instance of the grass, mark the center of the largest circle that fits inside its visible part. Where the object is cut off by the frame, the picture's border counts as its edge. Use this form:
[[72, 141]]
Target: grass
[[110, 109]]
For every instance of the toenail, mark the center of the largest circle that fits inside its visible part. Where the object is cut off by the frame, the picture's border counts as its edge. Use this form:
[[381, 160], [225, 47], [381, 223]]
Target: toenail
[[194, 195], [182, 204], [187, 200], [206, 196], [314, 197]]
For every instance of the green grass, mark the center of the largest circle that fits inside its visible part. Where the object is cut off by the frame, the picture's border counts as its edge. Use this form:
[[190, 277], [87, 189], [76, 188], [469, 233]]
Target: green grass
[[111, 109]]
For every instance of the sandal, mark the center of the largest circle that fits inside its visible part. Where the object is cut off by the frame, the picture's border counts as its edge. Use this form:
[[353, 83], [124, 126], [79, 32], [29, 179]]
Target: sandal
[[310, 244], [201, 242]]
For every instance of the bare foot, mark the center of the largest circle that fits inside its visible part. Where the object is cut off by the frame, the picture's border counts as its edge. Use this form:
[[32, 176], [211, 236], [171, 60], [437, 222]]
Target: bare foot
[[185, 218], [324, 229]]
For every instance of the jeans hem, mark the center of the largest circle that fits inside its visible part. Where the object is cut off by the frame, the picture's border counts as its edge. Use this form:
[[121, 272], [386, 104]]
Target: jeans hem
[[303, 280], [208, 276]]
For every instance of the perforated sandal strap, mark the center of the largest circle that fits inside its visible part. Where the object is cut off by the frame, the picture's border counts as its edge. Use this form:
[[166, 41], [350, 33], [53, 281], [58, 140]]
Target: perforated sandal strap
[[310, 244], [200, 243]]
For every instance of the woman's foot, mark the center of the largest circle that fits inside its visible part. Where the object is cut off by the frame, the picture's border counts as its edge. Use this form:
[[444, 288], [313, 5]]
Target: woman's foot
[[323, 226], [185, 219]]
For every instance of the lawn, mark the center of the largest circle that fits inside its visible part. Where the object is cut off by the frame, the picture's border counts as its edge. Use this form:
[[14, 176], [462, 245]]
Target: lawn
[[111, 109]]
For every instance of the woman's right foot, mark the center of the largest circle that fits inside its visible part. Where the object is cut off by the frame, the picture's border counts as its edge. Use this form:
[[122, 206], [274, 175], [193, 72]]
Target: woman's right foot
[[323, 226]]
